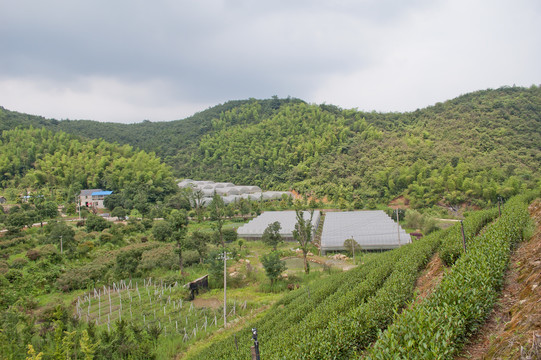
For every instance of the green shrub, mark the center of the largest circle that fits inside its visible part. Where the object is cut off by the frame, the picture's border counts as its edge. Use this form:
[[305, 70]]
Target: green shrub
[[96, 223], [162, 231], [127, 262], [230, 235], [4, 267], [49, 251], [85, 248], [162, 257], [33, 254], [147, 223], [18, 263], [190, 257], [133, 227], [13, 275], [273, 265]]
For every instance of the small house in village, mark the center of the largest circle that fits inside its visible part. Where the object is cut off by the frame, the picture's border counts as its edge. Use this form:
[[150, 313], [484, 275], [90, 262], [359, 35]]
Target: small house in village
[[93, 198]]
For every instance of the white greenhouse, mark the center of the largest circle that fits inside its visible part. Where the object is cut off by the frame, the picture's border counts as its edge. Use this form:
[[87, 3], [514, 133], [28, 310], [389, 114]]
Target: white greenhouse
[[231, 192], [372, 230], [254, 229]]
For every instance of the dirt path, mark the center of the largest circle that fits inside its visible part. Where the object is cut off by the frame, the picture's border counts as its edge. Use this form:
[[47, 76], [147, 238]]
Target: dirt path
[[429, 278], [513, 330]]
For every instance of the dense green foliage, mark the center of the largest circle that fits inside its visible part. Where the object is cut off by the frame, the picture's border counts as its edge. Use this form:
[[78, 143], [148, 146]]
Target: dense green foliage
[[472, 148], [69, 339], [439, 326], [164, 138], [271, 235], [35, 277], [469, 149], [59, 164], [273, 265]]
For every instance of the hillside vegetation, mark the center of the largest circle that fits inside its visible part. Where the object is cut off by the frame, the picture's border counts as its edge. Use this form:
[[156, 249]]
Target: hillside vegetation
[[471, 149], [59, 164], [340, 317]]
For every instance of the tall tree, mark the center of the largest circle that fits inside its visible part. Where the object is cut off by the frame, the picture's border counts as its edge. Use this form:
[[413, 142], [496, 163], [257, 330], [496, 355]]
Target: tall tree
[[303, 233], [179, 222], [271, 235], [196, 200], [273, 265], [217, 211], [199, 242]]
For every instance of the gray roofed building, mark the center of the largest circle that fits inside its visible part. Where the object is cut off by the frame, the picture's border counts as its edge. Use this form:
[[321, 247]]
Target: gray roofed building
[[254, 229], [372, 230]]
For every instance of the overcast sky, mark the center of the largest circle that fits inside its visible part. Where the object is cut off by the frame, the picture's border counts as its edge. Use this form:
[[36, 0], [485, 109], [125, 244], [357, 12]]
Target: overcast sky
[[130, 60]]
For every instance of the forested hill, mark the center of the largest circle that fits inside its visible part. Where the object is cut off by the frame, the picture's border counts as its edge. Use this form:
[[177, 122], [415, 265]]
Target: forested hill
[[473, 148], [59, 164], [163, 138]]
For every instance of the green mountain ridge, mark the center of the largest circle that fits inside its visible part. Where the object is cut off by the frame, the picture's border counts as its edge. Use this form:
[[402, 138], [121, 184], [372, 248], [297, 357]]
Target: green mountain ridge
[[473, 148]]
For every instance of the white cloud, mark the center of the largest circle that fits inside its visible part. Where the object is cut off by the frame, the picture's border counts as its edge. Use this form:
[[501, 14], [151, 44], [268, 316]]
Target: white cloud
[[128, 61], [442, 52], [92, 98]]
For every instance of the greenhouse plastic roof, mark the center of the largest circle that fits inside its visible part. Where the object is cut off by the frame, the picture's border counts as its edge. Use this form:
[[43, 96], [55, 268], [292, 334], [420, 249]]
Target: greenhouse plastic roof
[[287, 220], [372, 230], [231, 192]]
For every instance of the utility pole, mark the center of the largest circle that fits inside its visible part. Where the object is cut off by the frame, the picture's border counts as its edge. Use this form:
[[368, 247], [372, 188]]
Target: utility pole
[[225, 288], [61, 245], [398, 227], [78, 202], [463, 236], [353, 245]]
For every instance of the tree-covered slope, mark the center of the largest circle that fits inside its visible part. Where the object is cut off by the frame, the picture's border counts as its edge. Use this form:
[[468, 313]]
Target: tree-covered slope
[[56, 162], [163, 138], [473, 148]]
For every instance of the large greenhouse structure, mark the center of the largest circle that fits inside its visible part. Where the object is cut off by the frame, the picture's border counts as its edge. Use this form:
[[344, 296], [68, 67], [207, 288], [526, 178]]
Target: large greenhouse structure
[[254, 229], [231, 192], [372, 230]]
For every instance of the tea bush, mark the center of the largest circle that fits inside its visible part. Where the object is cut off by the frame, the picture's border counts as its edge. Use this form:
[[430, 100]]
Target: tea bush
[[438, 327], [452, 246]]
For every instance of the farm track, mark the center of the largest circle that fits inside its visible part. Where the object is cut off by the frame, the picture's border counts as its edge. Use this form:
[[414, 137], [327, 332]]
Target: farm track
[[429, 278]]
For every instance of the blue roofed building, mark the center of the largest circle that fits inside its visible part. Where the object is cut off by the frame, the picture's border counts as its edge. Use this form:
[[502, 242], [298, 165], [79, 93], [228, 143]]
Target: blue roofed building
[[93, 198]]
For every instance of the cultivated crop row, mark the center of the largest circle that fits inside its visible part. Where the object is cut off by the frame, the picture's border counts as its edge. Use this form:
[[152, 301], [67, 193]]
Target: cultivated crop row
[[452, 246], [340, 315], [438, 327]]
